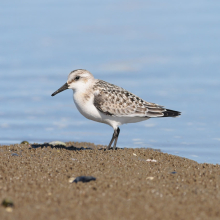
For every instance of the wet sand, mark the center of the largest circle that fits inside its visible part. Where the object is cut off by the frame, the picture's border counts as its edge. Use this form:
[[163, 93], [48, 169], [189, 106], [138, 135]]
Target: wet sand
[[130, 184]]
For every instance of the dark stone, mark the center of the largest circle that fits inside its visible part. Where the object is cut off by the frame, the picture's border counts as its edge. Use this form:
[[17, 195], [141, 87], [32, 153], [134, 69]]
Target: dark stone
[[84, 179]]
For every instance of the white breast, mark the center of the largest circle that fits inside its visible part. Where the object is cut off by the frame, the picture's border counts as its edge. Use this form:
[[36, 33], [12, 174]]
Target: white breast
[[84, 104]]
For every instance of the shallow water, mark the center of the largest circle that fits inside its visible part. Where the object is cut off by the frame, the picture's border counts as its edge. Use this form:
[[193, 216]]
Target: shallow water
[[166, 53]]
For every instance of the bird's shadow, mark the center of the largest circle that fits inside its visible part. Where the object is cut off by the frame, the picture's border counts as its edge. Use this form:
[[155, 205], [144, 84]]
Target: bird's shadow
[[73, 148]]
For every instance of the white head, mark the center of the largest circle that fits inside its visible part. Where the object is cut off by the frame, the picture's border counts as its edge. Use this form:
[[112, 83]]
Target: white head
[[77, 80]]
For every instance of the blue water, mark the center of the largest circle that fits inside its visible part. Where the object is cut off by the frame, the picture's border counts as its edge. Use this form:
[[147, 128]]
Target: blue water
[[165, 52]]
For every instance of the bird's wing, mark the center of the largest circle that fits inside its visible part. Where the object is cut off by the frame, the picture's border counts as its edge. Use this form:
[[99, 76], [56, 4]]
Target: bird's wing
[[116, 101]]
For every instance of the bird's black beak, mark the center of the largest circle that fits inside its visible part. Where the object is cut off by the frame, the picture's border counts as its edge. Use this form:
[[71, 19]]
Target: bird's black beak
[[62, 88]]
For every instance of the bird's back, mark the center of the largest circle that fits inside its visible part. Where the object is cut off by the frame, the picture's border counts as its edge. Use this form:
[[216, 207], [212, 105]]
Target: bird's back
[[116, 101]]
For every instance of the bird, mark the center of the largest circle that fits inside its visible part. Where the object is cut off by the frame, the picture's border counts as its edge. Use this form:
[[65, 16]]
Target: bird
[[107, 103]]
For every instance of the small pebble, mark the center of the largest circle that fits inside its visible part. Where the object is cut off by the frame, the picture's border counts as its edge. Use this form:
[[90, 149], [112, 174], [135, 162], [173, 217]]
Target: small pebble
[[84, 179], [150, 160], [9, 209], [7, 203], [56, 143], [71, 179], [173, 172], [135, 154], [150, 178]]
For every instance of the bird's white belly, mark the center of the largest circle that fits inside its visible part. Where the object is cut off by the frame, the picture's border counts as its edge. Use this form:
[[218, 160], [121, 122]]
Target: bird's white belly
[[87, 109]]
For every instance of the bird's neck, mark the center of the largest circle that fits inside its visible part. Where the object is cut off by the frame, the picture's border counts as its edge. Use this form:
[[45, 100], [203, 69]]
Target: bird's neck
[[83, 95]]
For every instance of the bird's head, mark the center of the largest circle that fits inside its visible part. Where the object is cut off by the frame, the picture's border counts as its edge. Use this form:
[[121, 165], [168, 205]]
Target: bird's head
[[77, 80]]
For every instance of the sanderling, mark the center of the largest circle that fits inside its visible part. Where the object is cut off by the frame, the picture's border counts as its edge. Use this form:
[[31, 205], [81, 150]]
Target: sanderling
[[103, 102]]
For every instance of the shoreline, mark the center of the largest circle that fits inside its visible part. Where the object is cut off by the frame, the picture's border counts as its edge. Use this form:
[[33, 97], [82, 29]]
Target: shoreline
[[131, 183]]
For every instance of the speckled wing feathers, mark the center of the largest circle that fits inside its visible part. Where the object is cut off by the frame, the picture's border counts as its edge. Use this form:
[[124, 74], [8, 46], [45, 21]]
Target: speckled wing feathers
[[116, 101]]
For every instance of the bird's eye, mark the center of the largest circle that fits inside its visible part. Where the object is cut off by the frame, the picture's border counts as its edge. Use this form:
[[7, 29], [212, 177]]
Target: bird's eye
[[77, 78]]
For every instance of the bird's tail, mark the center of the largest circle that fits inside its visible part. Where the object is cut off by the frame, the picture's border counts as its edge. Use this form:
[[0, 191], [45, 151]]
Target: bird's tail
[[171, 113]]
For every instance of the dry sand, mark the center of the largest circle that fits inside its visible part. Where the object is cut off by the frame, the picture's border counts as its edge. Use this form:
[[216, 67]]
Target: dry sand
[[36, 178]]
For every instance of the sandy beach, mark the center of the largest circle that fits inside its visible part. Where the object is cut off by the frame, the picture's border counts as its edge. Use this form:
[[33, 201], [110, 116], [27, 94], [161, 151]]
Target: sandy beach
[[36, 183]]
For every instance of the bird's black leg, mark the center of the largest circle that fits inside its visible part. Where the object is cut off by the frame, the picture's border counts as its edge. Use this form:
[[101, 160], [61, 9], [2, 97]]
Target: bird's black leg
[[116, 138], [110, 144]]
